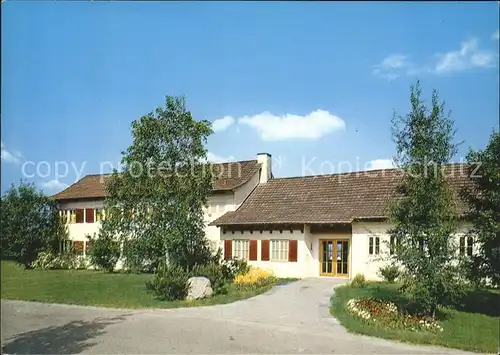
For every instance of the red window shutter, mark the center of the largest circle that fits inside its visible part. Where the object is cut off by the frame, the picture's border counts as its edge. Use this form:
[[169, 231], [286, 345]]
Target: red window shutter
[[79, 216], [264, 250], [78, 246], [89, 215], [253, 250], [292, 250], [87, 246], [228, 249]]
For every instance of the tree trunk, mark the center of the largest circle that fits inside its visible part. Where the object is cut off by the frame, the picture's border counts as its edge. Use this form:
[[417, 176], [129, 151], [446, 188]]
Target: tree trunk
[[433, 311]]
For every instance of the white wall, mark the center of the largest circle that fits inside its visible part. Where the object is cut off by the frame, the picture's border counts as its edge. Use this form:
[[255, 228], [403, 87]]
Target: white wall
[[79, 231], [369, 265], [314, 239], [242, 192], [220, 203], [362, 262], [300, 268]]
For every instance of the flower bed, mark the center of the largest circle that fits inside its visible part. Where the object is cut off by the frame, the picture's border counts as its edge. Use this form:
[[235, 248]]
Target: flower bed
[[254, 278], [387, 314]]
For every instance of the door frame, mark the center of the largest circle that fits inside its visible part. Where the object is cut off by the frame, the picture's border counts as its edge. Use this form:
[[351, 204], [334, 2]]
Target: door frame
[[334, 252]]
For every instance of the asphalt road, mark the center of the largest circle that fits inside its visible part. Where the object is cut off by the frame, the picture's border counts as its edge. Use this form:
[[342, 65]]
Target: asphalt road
[[287, 320]]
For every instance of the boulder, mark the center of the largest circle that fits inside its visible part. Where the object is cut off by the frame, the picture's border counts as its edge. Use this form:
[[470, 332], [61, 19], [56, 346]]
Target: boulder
[[199, 287]]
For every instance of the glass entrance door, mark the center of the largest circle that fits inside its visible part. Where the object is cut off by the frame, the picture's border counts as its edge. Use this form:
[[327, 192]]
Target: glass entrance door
[[334, 257]]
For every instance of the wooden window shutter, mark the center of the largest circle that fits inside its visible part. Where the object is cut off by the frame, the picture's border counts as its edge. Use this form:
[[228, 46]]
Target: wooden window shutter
[[253, 250], [87, 246], [79, 215], [264, 250], [78, 246], [292, 250], [228, 249], [89, 215]]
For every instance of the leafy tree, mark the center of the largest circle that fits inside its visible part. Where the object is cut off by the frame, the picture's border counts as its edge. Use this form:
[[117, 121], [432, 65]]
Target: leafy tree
[[157, 200], [30, 224], [483, 198], [104, 253], [424, 218]]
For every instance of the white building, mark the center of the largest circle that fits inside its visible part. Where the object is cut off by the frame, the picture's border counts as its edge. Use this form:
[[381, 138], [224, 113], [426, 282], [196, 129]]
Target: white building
[[327, 225]]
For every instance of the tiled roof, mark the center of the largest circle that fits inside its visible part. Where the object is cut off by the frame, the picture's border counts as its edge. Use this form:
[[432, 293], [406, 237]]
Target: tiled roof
[[227, 176], [338, 198]]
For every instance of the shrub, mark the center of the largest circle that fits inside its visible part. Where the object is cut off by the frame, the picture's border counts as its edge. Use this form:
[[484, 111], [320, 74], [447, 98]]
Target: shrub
[[67, 260], [104, 253], [216, 273], [170, 283], [29, 224], [236, 267], [254, 278], [358, 281], [44, 261], [389, 273]]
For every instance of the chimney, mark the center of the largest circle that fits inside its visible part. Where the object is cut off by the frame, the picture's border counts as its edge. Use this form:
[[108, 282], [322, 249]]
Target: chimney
[[266, 164]]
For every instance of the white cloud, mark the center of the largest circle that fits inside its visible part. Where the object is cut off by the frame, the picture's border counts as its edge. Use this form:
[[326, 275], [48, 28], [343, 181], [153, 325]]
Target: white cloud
[[222, 124], [468, 56], [214, 158], [311, 126], [380, 164], [53, 185], [392, 66], [495, 36], [13, 156]]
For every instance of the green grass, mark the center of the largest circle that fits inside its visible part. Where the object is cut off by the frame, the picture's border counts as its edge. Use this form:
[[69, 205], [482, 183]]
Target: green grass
[[94, 288], [473, 326]]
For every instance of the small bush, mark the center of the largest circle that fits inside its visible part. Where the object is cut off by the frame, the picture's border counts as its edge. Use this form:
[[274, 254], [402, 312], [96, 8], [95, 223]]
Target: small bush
[[216, 273], [389, 273], [67, 260], [170, 283], [254, 278], [236, 267], [44, 260], [104, 253], [358, 281]]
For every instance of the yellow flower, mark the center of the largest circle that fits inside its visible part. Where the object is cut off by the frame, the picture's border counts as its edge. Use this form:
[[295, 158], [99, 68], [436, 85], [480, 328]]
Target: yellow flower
[[253, 276]]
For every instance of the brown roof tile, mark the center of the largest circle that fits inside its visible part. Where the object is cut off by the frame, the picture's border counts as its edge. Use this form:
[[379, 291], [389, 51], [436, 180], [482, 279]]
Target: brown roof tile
[[338, 198], [227, 176]]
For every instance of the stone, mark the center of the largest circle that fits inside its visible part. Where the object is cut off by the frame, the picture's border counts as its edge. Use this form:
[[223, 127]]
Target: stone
[[199, 287]]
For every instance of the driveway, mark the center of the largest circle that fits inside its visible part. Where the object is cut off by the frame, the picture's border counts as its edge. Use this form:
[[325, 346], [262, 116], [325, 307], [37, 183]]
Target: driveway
[[293, 318]]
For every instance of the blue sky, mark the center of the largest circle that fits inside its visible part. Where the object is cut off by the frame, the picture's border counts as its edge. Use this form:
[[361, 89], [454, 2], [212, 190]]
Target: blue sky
[[314, 84]]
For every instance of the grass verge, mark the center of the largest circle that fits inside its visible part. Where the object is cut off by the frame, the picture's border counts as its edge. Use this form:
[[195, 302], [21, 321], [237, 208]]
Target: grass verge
[[94, 288], [473, 326]]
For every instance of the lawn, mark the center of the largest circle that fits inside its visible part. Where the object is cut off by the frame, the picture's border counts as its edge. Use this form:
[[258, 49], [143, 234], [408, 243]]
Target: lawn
[[473, 326], [94, 288]]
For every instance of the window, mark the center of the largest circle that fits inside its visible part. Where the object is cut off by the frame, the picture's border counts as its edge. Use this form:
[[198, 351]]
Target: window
[[99, 214], [421, 244], [65, 246], [72, 216], [64, 216], [279, 250], [78, 247], [393, 244], [241, 249], [466, 248], [470, 241], [79, 215], [374, 245]]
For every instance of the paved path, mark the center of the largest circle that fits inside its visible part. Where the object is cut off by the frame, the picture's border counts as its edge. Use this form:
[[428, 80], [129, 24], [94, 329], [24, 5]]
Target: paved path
[[288, 319]]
